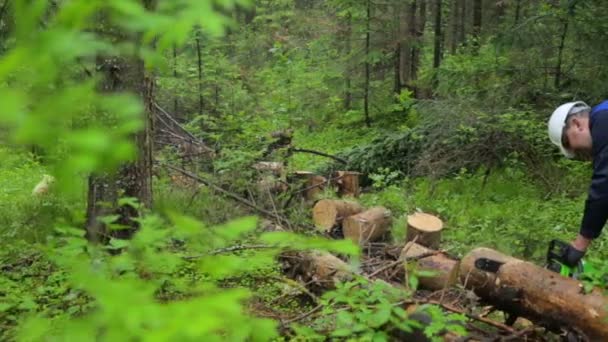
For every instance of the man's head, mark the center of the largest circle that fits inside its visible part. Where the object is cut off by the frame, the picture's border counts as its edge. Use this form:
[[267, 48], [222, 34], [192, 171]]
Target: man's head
[[569, 129]]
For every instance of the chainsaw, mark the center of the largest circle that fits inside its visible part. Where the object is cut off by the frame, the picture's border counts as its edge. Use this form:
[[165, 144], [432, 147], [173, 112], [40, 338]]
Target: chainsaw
[[556, 253]]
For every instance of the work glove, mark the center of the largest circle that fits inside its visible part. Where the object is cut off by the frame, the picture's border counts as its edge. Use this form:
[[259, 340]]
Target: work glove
[[572, 256]]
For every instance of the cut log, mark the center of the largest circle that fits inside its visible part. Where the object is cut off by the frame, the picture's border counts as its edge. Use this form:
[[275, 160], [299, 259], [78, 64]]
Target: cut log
[[446, 269], [530, 291], [367, 226], [328, 213], [348, 183], [426, 227], [323, 269]]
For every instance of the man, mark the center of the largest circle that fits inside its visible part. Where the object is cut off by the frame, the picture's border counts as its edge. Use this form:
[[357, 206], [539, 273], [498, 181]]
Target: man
[[581, 132]]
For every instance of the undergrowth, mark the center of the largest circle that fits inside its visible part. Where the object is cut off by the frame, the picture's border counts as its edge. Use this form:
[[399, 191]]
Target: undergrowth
[[22, 215], [505, 211]]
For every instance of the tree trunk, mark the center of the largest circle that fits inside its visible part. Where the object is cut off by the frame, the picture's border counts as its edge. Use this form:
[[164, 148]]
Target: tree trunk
[[201, 102], [454, 31], [560, 51], [530, 291], [477, 7], [367, 226], [328, 213], [176, 99], [368, 122], [498, 13], [462, 22], [348, 96], [397, 67], [517, 11], [134, 179], [417, 34], [438, 35], [406, 40]]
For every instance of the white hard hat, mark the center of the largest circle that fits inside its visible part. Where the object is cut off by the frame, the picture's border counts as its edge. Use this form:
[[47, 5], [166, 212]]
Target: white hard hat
[[558, 121]]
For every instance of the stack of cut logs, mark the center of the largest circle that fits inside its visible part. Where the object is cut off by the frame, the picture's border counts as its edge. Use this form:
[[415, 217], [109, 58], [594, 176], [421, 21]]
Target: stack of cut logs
[[514, 286]]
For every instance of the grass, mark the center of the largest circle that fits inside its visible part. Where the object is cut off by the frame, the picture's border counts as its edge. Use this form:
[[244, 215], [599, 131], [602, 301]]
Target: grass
[[22, 215], [508, 213]]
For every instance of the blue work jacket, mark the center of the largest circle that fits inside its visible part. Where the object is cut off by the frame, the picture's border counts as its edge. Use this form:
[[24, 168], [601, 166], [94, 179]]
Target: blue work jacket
[[596, 205]]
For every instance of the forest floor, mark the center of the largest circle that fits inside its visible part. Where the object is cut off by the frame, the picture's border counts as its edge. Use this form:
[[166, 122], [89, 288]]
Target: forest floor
[[476, 213]]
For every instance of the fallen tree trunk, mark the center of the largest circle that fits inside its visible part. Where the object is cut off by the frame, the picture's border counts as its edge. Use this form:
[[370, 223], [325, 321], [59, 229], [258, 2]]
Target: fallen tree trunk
[[527, 290], [425, 228], [367, 226], [328, 213], [445, 269]]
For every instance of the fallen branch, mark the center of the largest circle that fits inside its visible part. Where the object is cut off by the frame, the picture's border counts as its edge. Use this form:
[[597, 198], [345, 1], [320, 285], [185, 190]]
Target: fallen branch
[[294, 193], [495, 324], [195, 140], [304, 150], [399, 260], [175, 122], [302, 316], [229, 194], [227, 250]]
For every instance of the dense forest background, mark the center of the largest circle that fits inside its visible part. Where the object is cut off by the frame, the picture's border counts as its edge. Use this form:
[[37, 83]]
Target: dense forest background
[[442, 106]]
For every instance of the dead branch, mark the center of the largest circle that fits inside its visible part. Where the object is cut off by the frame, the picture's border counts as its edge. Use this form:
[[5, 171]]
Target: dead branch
[[322, 154], [227, 193]]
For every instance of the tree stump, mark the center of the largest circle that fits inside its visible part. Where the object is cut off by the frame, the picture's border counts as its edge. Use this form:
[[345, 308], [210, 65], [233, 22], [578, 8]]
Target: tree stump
[[313, 184], [367, 226], [328, 213], [348, 183], [446, 269], [426, 227]]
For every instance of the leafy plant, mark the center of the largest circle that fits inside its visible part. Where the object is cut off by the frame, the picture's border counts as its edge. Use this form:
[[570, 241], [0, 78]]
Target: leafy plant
[[374, 311], [124, 288]]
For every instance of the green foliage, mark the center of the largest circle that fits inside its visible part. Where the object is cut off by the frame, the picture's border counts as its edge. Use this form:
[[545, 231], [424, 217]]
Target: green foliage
[[595, 274], [478, 77], [111, 297], [44, 96], [372, 311], [476, 154], [505, 211], [22, 214]]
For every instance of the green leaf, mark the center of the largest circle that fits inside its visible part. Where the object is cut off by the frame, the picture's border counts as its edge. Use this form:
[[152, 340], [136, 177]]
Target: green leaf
[[119, 243], [381, 316], [133, 202]]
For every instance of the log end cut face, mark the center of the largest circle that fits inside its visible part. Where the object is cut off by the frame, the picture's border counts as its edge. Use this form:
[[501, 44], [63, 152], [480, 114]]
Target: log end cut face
[[328, 213], [425, 222], [324, 215]]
